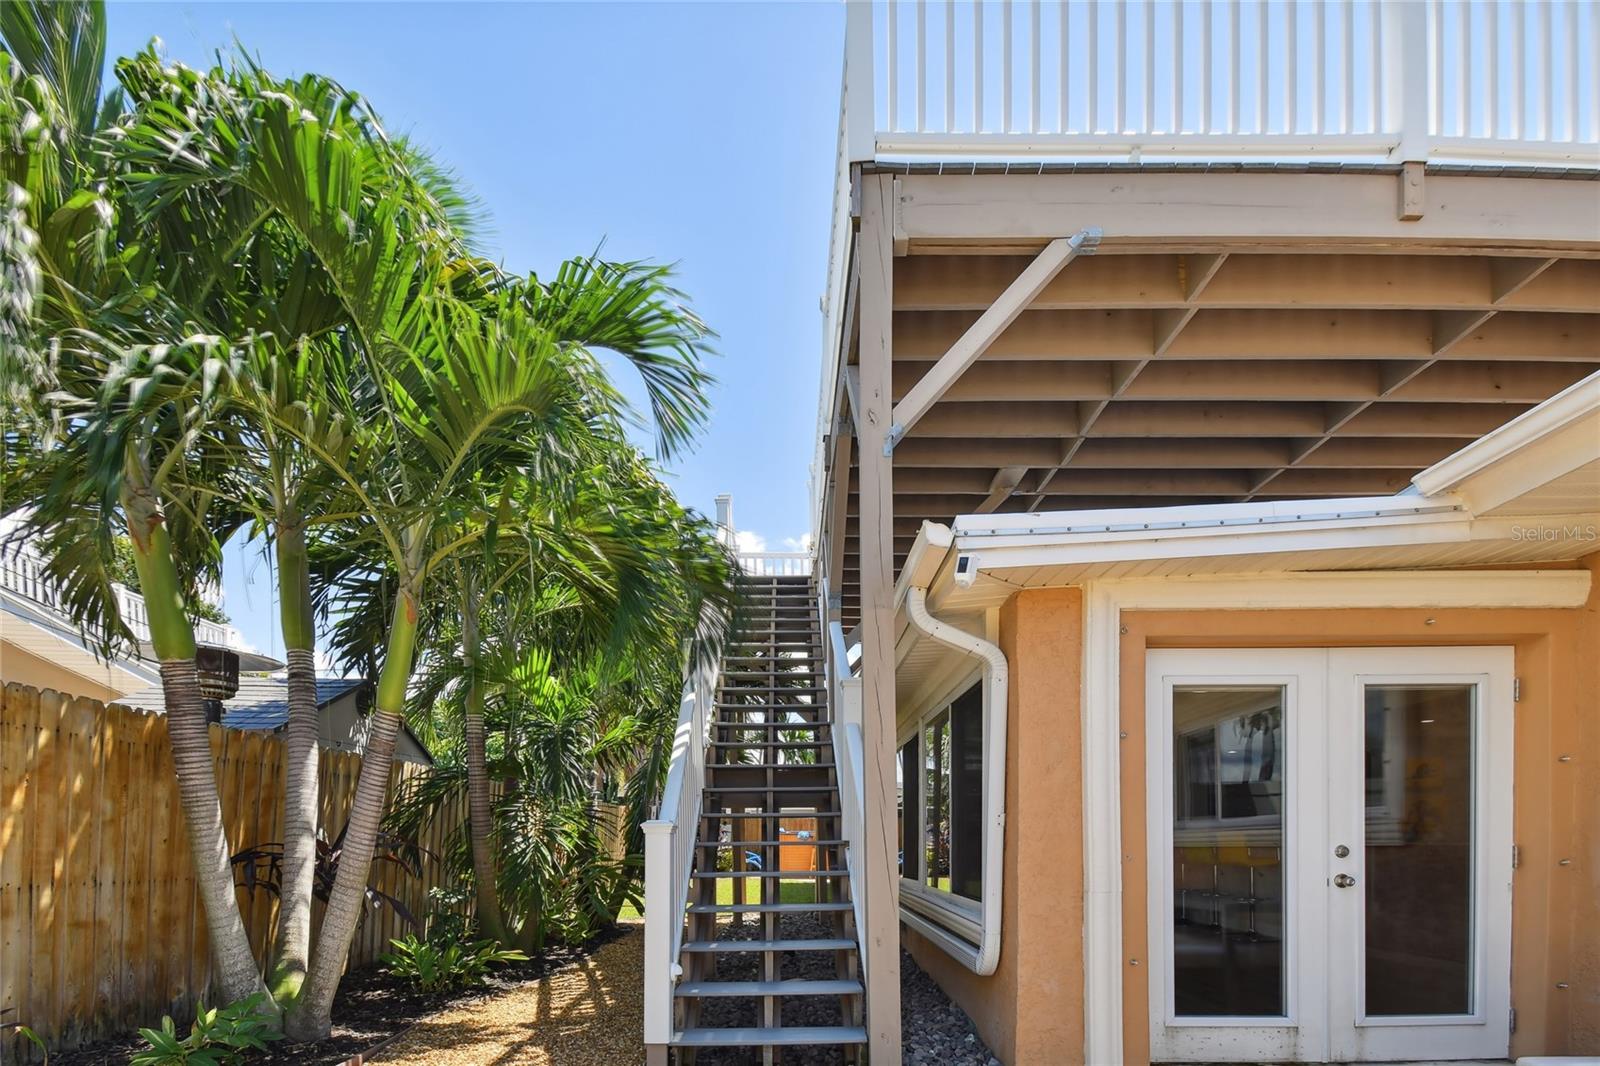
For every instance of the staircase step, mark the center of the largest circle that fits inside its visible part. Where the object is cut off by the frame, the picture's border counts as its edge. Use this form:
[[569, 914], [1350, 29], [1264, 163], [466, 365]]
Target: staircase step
[[717, 947], [770, 788], [773, 843], [768, 908], [771, 765], [784, 875], [706, 989], [769, 814], [797, 1035], [772, 725]]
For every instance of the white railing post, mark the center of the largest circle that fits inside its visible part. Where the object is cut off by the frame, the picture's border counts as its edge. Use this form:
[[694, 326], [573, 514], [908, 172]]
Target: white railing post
[[860, 84], [1407, 78], [658, 903]]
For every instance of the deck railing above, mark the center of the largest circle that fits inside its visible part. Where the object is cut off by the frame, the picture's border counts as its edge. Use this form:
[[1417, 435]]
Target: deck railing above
[[1393, 80], [775, 564], [23, 574]]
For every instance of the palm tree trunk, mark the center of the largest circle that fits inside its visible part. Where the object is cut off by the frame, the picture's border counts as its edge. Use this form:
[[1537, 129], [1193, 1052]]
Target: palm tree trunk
[[478, 813], [172, 633], [293, 948], [311, 1017]]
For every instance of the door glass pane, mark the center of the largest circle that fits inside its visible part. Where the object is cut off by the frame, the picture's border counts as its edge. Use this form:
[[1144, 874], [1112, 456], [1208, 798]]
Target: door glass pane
[[1419, 842], [1228, 831]]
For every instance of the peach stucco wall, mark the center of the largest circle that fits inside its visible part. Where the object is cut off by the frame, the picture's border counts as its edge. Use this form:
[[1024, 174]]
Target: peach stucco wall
[[1031, 1010], [1555, 934]]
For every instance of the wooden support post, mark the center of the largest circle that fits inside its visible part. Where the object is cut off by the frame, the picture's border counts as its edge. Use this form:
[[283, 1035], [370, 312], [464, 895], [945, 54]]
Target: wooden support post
[[882, 934]]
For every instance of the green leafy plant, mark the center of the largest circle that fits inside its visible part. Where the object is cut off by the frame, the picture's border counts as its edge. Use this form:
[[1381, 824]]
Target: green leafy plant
[[441, 967], [219, 1036], [26, 1033]]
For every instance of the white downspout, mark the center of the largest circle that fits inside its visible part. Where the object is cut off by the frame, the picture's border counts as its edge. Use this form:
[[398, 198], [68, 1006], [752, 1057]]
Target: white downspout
[[996, 681]]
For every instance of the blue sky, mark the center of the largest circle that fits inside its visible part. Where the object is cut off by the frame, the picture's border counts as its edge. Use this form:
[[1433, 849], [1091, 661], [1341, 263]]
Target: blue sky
[[701, 134]]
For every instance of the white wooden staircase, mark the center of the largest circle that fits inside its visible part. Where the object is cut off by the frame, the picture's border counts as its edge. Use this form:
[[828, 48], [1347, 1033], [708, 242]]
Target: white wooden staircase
[[768, 959]]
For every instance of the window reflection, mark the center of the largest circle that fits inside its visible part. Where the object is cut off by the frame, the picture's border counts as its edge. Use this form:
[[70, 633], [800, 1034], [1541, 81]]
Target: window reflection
[[1419, 861], [1228, 833]]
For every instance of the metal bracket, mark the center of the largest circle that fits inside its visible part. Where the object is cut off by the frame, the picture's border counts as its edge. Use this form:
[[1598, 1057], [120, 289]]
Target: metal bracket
[[1091, 240], [891, 438]]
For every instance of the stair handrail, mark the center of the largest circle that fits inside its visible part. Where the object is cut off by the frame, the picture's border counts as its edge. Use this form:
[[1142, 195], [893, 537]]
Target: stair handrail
[[844, 697], [669, 840]]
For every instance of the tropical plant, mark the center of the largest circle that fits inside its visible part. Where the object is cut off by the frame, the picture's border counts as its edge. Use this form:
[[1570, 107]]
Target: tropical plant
[[235, 306], [26, 1033], [219, 1036], [444, 967], [261, 866]]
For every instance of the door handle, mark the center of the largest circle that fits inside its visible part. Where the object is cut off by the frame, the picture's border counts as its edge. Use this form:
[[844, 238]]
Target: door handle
[[1343, 881]]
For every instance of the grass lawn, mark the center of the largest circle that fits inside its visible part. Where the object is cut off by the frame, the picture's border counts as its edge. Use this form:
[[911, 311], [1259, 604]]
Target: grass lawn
[[788, 892]]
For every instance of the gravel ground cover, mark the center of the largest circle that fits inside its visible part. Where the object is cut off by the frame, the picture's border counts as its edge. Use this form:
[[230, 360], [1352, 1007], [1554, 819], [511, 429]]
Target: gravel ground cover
[[587, 1013], [932, 1029], [370, 1007]]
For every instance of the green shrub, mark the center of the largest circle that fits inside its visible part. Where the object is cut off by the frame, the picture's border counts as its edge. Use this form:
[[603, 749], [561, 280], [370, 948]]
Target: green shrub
[[218, 1037], [442, 967]]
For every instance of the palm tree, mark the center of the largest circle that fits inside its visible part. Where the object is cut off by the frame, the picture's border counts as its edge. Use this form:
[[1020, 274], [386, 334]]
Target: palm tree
[[579, 681], [263, 310], [128, 383]]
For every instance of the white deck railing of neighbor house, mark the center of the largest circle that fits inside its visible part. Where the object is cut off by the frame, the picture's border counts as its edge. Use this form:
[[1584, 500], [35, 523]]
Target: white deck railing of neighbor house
[[669, 848], [23, 574], [775, 564]]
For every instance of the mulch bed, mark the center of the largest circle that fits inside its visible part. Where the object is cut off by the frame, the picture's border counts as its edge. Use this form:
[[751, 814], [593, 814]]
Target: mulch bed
[[370, 1008]]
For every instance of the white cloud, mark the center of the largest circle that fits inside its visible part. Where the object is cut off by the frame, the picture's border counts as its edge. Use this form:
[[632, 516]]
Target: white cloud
[[747, 541], [797, 544]]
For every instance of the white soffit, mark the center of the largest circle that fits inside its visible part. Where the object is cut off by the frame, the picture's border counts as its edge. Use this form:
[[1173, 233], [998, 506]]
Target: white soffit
[[1543, 462]]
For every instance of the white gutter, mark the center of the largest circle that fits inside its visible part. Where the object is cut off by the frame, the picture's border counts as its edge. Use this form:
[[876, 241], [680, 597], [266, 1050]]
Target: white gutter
[[996, 682]]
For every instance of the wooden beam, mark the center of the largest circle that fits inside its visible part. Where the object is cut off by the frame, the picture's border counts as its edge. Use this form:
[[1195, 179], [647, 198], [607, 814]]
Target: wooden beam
[[990, 420], [1015, 379], [1166, 211], [1211, 419], [977, 339], [985, 454], [1264, 281], [881, 845], [1430, 419], [1005, 483]]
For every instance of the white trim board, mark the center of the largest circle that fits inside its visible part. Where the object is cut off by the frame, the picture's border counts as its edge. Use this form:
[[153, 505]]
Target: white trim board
[[1103, 604]]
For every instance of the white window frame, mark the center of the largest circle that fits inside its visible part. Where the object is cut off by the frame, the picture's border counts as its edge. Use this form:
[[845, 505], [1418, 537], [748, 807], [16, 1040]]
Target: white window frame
[[958, 914]]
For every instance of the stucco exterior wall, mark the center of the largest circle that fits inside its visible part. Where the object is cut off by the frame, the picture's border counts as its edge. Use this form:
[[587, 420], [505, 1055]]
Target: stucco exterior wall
[[1031, 1010], [1555, 935]]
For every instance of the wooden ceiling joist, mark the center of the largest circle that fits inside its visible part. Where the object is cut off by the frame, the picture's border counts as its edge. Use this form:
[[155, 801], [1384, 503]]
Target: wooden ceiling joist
[[977, 338], [1209, 371]]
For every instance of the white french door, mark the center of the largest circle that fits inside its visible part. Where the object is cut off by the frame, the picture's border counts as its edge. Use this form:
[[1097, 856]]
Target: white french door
[[1330, 853]]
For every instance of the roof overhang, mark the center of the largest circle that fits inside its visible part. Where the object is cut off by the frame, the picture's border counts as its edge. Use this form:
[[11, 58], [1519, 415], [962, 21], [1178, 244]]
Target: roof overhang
[[1527, 493]]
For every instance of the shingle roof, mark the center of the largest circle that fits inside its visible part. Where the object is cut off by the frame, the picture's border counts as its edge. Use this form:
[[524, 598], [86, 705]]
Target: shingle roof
[[260, 703]]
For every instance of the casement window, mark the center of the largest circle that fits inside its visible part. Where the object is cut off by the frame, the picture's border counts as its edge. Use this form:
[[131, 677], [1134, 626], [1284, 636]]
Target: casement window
[[941, 819]]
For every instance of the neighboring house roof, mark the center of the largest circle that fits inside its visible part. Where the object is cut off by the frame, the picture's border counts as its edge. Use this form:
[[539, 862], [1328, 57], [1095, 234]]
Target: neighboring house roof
[[260, 703]]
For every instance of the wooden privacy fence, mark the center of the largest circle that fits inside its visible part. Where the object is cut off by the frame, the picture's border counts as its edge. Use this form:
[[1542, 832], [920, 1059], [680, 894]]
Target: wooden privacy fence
[[101, 926]]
